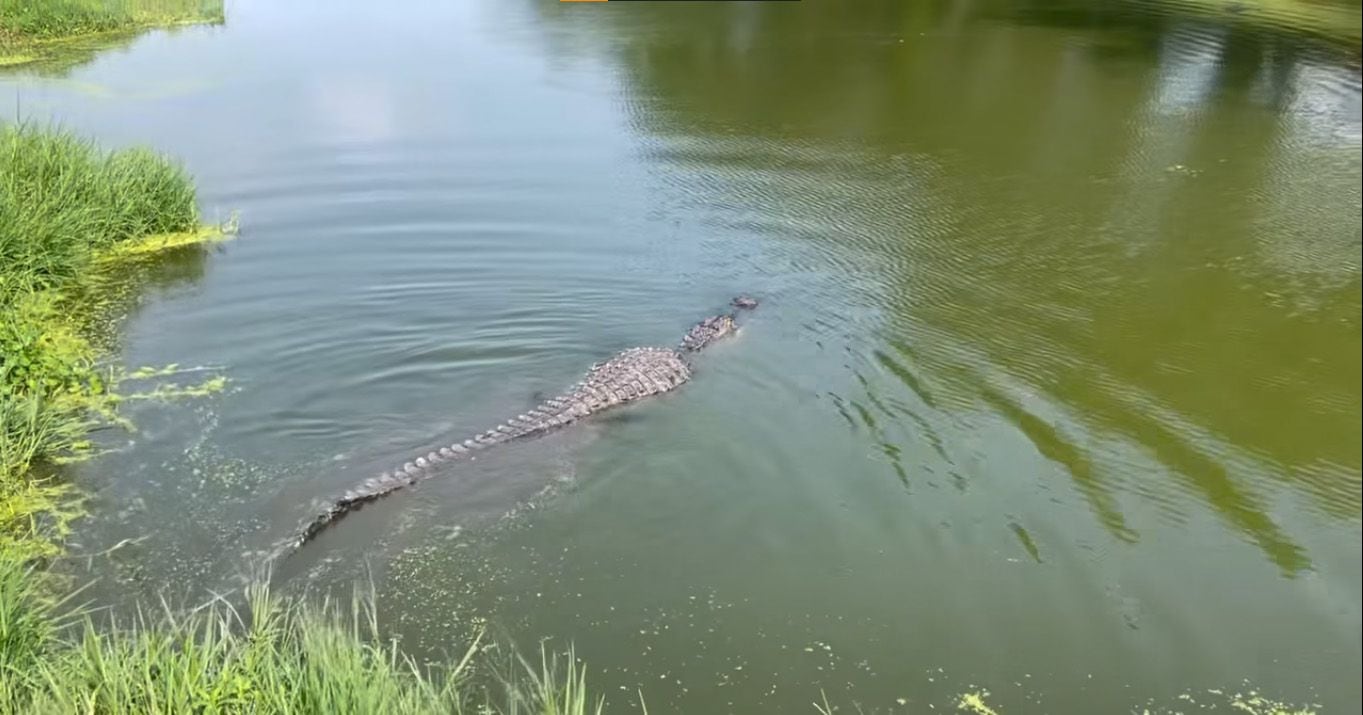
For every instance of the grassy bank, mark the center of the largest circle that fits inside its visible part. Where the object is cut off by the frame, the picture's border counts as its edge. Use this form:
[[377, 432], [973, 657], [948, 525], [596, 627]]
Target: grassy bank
[[31, 30], [274, 656]]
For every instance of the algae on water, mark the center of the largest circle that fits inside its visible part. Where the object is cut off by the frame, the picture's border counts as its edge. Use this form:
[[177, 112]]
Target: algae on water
[[157, 243]]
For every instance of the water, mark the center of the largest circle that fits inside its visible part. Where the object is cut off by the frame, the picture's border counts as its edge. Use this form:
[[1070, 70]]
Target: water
[[1054, 390]]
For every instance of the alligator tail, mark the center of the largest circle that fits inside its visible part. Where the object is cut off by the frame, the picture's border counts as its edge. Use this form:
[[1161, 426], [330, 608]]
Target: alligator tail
[[548, 415]]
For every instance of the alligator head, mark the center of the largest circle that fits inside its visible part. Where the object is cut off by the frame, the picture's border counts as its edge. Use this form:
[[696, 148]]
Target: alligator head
[[716, 327]]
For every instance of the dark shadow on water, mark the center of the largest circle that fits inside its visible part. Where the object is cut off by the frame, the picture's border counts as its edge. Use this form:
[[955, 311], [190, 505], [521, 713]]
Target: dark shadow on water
[[1054, 446]]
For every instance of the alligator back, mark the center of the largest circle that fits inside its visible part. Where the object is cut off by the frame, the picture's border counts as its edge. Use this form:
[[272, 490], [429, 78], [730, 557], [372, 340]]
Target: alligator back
[[629, 376]]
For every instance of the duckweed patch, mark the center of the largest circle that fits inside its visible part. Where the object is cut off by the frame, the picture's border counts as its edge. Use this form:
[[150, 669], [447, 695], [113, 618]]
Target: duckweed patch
[[210, 386]]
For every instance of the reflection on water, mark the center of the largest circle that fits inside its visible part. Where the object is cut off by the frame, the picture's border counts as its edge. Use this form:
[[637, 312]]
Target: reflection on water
[[1055, 383], [1123, 235]]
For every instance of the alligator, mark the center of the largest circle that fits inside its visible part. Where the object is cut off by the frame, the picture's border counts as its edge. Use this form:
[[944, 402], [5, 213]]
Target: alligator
[[631, 375]]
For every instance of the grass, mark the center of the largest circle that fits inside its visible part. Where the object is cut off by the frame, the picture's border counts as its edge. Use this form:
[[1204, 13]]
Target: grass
[[30, 28], [273, 656], [54, 19], [62, 201]]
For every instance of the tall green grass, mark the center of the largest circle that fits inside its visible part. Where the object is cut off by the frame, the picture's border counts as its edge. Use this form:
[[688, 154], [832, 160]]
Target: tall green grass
[[54, 19], [273, 656], [62, 199]]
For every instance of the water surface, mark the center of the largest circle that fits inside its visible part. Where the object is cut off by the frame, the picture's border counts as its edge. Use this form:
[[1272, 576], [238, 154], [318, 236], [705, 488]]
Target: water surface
[[1054, 389]]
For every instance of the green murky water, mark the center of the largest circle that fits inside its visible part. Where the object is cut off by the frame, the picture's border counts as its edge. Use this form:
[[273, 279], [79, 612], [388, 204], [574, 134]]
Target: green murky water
[[1055, 389]]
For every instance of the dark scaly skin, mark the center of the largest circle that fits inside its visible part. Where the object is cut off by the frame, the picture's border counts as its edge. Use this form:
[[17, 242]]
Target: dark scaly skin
[[632, 375]]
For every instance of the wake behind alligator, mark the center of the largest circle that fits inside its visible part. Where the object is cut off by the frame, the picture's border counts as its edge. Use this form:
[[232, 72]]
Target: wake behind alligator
[[631, 375]]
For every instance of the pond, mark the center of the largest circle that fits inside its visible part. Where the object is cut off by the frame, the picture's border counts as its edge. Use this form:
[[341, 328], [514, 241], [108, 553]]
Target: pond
[[1054, 389]]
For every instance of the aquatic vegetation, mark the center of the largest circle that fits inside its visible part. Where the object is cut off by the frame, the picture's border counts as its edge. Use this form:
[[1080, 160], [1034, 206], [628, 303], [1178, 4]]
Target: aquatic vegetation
[[210, 386], [158, 242], [49, 392], [976, 702], [33, 31], [1250, 702], [34, 516]]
